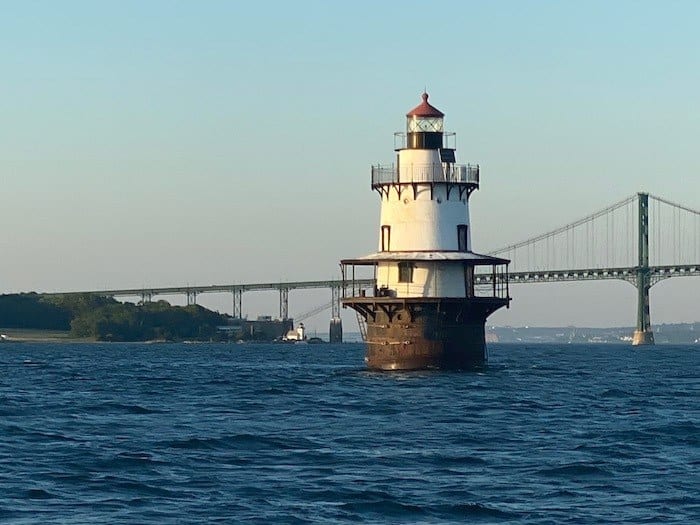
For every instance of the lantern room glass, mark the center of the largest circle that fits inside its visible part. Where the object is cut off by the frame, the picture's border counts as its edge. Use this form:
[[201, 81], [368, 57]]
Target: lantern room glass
[[417, 124]]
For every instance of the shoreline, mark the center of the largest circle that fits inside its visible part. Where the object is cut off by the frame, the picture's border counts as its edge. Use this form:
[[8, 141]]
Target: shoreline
[[34, 335]]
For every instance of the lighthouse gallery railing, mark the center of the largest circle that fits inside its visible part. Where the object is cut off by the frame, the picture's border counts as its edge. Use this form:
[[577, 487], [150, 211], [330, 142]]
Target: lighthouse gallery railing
[[490, 281], [425, 173]]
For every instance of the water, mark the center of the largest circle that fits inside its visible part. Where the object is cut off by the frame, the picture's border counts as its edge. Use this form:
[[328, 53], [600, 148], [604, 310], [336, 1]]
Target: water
[[135, 433]]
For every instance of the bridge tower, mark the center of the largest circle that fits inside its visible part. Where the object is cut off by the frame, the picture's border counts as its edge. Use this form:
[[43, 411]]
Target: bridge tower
[[425, 311], [643, 335]]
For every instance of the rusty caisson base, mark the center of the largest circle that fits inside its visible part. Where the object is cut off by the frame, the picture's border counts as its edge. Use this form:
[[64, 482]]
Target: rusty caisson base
[[422, 333]]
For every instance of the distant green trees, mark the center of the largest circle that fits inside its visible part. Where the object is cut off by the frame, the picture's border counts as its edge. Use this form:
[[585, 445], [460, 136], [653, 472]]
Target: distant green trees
[[158, 320], [105, 319], [31, 310]]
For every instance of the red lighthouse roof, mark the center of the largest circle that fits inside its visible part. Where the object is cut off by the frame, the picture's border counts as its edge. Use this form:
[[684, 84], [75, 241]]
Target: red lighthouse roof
[[424, 109]]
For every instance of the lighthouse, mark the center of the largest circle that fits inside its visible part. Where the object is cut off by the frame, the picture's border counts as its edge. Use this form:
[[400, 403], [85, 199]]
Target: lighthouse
[[431, 292]]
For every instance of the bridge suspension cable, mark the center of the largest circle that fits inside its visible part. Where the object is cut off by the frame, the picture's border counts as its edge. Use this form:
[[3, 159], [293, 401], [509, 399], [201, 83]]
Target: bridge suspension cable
[[609, 238], [675, 205], [602, 239], [314, 311], [561, 229], [674, 233]]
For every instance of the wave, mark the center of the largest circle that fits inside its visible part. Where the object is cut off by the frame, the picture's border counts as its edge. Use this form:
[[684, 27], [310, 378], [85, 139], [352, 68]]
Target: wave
[[243, 441], [378, 502], [128, 408], [477, 510], [143, 489], [616, 393], [39, 494], [575, 470], [126, 460]]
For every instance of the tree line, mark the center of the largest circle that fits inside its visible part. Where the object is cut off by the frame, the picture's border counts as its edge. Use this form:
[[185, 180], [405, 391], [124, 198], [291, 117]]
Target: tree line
[[105, 319]]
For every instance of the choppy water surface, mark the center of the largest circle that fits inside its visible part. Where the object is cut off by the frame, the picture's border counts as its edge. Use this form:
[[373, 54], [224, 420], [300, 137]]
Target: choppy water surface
[[292, 434]]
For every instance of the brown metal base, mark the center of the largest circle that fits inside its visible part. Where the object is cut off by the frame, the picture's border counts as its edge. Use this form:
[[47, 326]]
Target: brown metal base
[[422, 333]]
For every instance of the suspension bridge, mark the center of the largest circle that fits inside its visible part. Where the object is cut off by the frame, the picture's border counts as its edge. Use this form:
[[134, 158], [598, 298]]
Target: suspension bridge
[[641, 239]]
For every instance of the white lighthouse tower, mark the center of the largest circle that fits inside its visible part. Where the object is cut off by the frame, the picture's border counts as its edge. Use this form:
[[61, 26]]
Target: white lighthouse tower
[[429, 304]]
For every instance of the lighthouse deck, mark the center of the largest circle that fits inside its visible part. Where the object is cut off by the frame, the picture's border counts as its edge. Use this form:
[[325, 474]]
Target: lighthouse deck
[[493, 280], [354, 292], [374, 303]]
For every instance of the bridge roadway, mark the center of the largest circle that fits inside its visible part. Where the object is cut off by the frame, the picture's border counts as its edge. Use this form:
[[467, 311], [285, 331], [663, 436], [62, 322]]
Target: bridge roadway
[[237, 290], [213, 288], [656, 273], [540, 276]]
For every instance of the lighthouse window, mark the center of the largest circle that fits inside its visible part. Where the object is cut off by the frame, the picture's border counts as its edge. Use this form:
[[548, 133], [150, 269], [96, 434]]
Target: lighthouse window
[[424, 124], [462, 237], [386, 238], [405, 272]]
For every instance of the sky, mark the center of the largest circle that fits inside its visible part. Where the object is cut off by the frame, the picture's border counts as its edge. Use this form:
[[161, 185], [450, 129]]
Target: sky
[[166, 143]]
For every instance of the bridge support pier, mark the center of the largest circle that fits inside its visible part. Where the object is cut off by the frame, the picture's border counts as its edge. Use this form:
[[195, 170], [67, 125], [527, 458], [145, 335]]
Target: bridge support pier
[[335, 329], [642, 338], [284, 303], [237, 303], [643, 335], [191, 297]]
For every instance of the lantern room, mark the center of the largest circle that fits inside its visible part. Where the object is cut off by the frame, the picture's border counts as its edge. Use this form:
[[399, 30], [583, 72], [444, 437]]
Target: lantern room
[[424, 126]]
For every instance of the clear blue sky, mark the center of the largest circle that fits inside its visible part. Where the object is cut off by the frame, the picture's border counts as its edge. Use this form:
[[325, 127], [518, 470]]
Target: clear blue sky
[[163, 142]]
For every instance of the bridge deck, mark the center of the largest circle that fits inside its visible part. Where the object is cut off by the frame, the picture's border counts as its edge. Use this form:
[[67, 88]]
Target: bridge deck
[[587, 274]]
